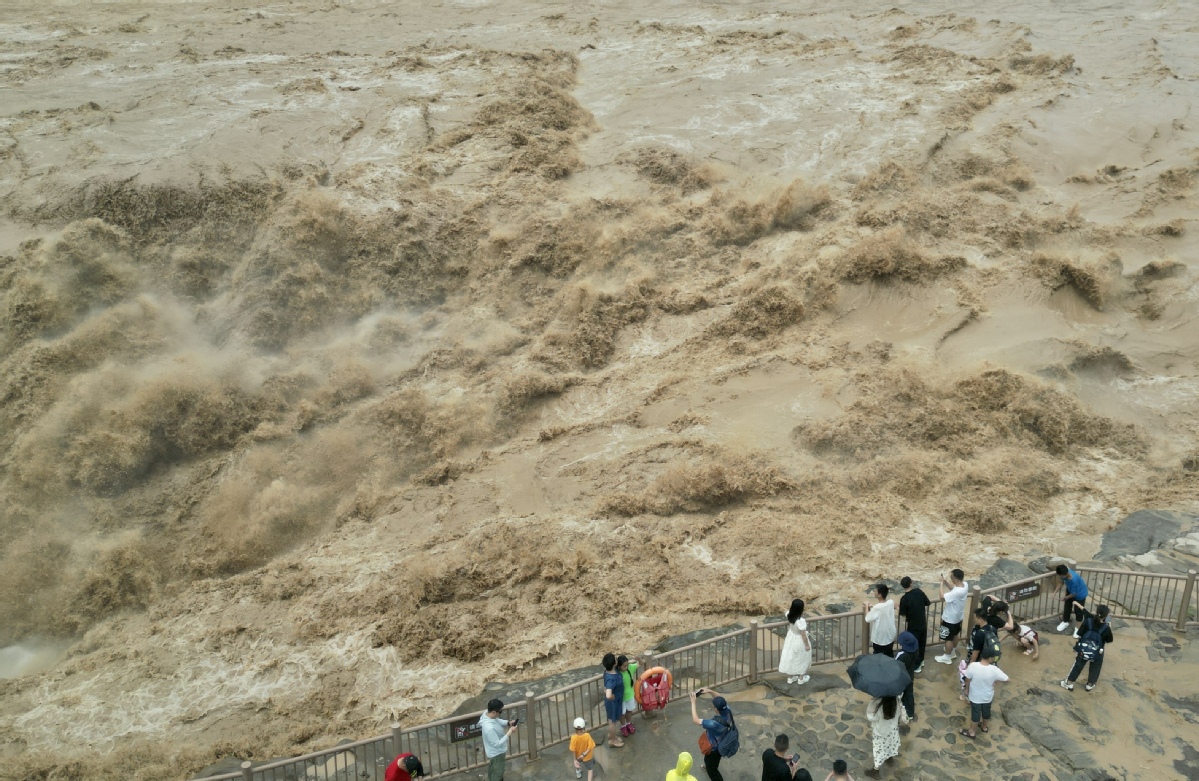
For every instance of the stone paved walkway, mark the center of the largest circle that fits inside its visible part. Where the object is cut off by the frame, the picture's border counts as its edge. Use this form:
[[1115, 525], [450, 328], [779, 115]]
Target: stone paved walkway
[[1140, 723]]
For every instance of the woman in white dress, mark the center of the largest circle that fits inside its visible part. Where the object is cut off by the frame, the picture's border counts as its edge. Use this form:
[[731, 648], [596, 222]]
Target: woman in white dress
[[883, 715], [797, 647]]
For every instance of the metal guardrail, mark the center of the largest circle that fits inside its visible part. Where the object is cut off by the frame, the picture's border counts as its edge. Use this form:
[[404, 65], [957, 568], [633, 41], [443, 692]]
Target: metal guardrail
[[743, 654]]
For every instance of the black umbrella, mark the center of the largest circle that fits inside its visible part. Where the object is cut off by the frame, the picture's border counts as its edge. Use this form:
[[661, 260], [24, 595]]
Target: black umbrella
[[879, 675]]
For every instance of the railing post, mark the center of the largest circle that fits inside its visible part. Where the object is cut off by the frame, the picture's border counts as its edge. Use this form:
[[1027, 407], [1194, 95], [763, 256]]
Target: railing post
[[1188, 591], [247, 772], [865, 632], [976, 594], [531, 722], [753, 651], [395, 741]]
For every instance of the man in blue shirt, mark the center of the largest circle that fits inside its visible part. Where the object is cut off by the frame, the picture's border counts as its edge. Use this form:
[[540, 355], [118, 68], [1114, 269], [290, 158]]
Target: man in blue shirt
[[1076, 592], [715, 729]]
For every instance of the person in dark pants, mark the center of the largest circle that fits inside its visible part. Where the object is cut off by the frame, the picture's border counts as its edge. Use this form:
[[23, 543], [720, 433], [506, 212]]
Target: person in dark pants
[[1076, 595], [908, 654], [913, 606], [881, 618], [715, 728], [1094, 635]]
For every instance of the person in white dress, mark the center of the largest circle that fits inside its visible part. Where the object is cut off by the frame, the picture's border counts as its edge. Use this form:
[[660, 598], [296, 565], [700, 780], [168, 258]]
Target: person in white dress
[[883, 713], [797, 647]]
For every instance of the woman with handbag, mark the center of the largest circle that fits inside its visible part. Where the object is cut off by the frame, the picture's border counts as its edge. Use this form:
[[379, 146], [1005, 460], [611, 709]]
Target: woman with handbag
[[714, 730]]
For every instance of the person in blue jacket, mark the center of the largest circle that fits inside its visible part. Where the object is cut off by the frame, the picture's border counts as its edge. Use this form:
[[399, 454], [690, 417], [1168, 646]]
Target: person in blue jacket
[[715, 727], [1076, 596]]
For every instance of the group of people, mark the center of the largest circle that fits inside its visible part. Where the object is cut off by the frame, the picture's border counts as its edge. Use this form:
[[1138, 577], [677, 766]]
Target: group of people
[[979, 674]]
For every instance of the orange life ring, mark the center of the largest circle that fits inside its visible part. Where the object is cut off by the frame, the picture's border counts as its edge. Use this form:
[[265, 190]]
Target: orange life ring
[[650, 673]]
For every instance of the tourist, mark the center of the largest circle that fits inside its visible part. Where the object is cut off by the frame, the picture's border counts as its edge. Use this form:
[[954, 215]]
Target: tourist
[[983, 676], [714, 729], [909, 652], [913, 606], [495, 739], [953, 592], [628, 676], [1076, 595], [613, 699], [776, 764], [1095, 633], [405, 767], [840, 772], [881, 617], [883, 715], [978, 636], [797, 646], [582, 745], [1027, 637], [682, 770]]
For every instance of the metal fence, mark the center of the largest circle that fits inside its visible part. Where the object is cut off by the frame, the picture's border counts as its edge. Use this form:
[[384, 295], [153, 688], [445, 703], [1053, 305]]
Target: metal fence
[[743, 654]]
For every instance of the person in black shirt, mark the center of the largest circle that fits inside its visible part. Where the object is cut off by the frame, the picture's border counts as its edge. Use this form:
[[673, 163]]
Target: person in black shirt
[[776, 765], [913, 606], [1097, 622], [978, 636]]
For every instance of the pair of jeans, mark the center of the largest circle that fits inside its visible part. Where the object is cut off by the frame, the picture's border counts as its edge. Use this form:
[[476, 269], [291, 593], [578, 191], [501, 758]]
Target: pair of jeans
[[712, 765], [888, 649], [1068, 608], [1092, 673]]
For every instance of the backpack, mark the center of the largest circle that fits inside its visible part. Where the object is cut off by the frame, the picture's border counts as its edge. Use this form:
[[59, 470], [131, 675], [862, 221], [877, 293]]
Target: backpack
[[730, 742], [1090, 645], [991, 648]]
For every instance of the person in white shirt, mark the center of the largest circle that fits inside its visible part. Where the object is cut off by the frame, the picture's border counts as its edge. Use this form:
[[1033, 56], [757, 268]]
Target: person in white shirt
[[983, 676], [953, 591], [881, 617]]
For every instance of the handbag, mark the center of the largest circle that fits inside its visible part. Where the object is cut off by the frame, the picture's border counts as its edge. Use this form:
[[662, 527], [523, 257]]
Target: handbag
[[705, 745]]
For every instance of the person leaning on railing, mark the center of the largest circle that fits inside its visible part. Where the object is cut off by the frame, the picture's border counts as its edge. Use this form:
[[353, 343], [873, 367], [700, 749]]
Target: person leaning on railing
[[1076, 596], [405, 767]]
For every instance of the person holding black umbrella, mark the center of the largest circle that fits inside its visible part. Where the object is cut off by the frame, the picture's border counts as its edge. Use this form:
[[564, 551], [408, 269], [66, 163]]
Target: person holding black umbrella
[[884, 679], [883, 715]]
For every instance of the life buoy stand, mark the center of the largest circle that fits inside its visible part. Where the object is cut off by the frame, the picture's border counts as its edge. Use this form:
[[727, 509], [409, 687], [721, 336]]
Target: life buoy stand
[[653, 688]]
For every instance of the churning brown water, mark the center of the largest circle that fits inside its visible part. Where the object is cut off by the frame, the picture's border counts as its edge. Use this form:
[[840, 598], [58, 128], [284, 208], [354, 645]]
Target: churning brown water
[[354, 355]]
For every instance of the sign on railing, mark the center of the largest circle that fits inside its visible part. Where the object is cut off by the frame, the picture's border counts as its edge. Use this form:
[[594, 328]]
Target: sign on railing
[[465, 729], [1022, 592]]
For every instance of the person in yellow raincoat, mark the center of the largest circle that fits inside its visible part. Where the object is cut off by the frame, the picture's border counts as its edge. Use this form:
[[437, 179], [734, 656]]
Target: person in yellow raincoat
[[682, 771]]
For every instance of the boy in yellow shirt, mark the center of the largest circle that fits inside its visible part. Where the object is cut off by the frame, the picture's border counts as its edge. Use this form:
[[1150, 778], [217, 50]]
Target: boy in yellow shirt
[[582, 745]]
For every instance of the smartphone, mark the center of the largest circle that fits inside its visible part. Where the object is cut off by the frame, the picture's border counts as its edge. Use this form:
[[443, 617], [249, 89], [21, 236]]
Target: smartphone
[[698, 692]]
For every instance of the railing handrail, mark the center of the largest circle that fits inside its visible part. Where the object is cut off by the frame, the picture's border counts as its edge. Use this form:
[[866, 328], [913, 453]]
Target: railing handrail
[[1014, 583], [702, 643], [1158, 575], [549, 738], [318, 754], [564, 689]]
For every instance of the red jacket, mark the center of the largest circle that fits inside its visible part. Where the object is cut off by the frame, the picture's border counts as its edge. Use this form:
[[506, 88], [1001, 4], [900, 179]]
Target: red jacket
[[396, 773]]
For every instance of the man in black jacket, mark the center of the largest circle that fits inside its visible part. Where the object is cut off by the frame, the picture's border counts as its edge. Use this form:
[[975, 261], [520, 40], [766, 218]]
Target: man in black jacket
[[913, 606]]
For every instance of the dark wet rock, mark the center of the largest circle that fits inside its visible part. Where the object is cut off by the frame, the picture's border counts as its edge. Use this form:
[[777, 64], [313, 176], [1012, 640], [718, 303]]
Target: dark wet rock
[[1141, 532], [1005, 571]]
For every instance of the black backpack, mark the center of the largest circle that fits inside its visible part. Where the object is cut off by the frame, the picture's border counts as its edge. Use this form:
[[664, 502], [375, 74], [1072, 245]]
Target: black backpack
[[991, 647], [730, 742], [1090, 645]]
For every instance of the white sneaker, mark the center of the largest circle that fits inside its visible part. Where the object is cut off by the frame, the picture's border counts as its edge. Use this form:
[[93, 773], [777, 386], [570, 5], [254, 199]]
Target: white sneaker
[[947, 658], [804, 680], [1062, 627], [920, 669], [792, 678], [1075, 634]]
